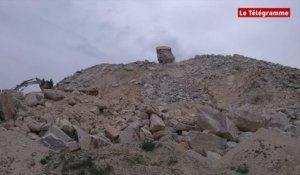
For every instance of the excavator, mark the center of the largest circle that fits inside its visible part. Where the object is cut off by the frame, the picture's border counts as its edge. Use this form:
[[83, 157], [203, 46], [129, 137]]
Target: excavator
[[43, 84]]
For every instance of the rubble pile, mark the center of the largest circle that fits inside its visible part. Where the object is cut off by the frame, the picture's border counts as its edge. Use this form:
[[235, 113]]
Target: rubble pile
[[210, 114]]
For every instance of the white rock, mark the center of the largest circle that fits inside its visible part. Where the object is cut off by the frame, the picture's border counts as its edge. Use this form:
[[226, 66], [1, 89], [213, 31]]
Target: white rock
[[156, 123]]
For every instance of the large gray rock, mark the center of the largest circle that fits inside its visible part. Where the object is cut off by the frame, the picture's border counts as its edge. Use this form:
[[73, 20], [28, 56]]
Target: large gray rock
[[90, 142], [82, 138], [210, 119], [156, 123], [128, 135], [34, 99], [201, 142], [250, 121], [165, 55], [53, 94]]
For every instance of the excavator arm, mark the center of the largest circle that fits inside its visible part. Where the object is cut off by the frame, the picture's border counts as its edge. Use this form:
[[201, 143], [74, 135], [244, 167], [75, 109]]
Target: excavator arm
[[24, 84]]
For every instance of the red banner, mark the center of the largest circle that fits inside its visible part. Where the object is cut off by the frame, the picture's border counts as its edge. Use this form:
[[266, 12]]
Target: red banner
[[264, 12]]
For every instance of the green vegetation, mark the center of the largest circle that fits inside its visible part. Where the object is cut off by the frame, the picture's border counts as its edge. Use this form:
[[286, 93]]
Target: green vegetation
[[45, 160], [148, 146]]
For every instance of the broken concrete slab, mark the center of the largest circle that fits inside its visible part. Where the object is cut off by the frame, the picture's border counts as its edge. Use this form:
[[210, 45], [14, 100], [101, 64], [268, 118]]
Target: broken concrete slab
[[52, 142], [54, 130]]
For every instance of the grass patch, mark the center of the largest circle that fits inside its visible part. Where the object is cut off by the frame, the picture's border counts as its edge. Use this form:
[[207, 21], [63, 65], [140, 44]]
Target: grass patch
[[83, 167], [135, 159], [148, 146], [172, 160]]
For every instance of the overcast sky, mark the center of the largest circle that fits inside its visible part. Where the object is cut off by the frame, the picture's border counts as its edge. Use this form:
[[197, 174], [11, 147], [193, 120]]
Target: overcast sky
[[55, 38]]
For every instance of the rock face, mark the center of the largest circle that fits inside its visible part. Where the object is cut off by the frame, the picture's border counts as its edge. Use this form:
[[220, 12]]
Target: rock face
[[165, 55]]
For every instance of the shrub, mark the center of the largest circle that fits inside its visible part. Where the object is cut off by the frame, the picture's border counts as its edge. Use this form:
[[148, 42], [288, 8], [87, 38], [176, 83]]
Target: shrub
[[148, 146], [45, 160], [243, 169]]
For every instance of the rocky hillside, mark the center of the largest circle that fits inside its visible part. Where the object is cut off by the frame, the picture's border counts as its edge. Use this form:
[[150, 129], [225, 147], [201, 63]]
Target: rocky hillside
[[211, 114]]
